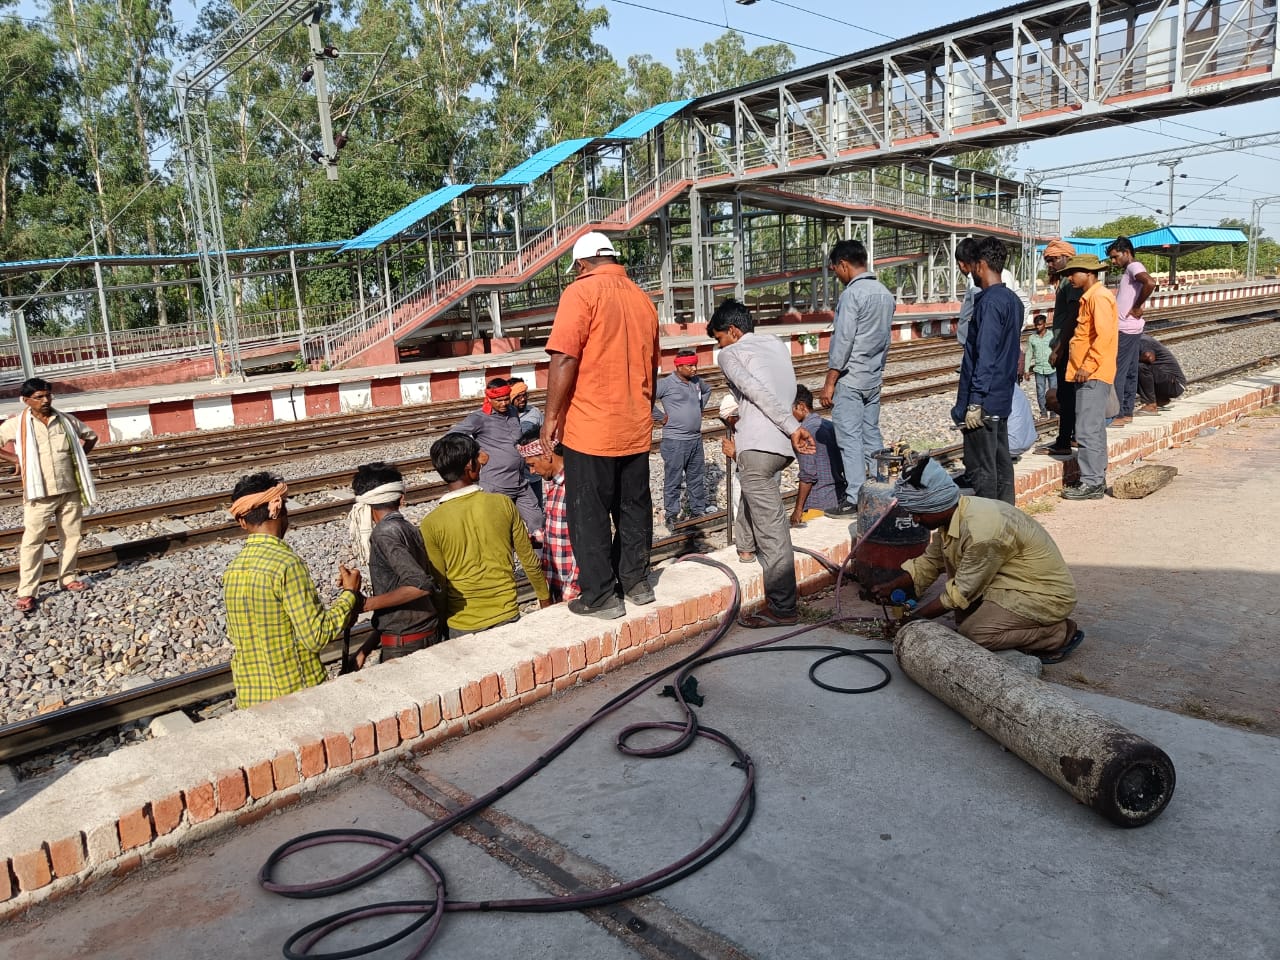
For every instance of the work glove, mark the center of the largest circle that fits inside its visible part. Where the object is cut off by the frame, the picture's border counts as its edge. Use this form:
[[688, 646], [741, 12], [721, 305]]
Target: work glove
[[973, 417]]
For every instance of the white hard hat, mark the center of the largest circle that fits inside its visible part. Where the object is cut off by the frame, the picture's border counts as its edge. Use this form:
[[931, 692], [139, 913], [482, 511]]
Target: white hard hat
[[593, 244]]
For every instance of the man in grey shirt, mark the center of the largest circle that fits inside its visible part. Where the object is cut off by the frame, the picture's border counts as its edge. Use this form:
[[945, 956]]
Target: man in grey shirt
[[681, 398], [855, 366], [404, 616], [762, 378], [496, 427]]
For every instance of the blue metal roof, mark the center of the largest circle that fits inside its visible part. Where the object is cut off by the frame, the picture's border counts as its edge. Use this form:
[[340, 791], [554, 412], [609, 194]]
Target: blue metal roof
[[646, 120], [541, 162], [1085, 245], [1180, 236], [406, 217]]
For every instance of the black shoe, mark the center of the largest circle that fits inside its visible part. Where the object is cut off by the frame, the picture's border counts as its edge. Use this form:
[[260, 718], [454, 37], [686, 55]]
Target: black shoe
[[841, 511], [1081, 491], [611, 609], [1058, 656], [641, 593]]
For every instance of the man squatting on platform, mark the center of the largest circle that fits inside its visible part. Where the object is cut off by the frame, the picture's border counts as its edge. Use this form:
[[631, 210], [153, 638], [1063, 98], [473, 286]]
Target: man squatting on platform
[[49, 450], [275, 619], [470, 537], [761, 376], [404, 616], [496, 426], [681, 398], [1007, 583]]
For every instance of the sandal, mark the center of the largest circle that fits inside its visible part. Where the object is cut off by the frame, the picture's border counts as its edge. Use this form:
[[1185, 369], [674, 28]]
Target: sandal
[[767, 618], [746, 557], [1058, 656], [25, 604], [75, 586]]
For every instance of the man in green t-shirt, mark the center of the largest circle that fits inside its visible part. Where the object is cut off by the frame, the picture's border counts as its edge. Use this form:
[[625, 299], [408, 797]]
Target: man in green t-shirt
[[470, 537]]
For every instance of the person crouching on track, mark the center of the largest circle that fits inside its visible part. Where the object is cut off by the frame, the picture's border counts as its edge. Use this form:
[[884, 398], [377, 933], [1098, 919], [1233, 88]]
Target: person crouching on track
[[404, 616], [1007, 583], [558, 563], [275, 619], [469, 538]]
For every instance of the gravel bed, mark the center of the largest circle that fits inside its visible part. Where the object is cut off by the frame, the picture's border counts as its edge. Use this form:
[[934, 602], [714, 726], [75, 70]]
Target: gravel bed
[[164, 617]]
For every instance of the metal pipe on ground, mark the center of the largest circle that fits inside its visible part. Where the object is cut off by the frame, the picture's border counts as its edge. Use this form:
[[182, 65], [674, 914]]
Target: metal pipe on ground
[[1122, 776]]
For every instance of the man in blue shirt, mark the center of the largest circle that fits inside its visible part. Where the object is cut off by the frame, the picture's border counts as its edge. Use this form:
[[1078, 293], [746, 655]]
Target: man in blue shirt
[[682, 396], [859, 349], [988, 377]]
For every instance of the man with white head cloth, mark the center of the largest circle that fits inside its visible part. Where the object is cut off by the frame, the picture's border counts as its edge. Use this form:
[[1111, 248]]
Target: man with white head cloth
[[404, 616], [1007, 583]]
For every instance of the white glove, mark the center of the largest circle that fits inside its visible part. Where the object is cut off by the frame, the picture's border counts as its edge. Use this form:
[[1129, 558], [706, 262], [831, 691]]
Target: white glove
[[973, 417]]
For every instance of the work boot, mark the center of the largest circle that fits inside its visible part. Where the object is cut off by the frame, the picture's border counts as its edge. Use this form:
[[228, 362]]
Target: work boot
[[1082, 491], [611, 609]]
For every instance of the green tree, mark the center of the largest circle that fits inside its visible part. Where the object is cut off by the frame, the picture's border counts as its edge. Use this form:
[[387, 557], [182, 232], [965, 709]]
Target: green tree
[[725, 63], [1125, 226]]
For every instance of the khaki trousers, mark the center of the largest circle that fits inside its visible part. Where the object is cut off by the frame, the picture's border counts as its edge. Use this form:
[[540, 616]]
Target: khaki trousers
[[37, 515], [992, 626]]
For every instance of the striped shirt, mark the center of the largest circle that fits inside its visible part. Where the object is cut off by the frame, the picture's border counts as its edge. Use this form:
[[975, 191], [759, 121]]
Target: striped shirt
[[276, 621]]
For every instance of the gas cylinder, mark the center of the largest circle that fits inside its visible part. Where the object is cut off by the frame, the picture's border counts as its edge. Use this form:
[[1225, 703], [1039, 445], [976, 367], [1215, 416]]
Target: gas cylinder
[[898, 537]]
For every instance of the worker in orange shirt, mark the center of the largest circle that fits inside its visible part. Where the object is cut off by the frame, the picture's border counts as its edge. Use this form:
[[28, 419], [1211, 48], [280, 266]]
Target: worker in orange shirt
[[1091, 366]]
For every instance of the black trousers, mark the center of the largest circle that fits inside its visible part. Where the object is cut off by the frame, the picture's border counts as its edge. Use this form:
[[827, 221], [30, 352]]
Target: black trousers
[[1066, 408], [601, 492], [1156, 386], [987, 460]]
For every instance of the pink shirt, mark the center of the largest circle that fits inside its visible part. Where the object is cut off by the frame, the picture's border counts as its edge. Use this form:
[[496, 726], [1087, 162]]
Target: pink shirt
[[1130, 287]]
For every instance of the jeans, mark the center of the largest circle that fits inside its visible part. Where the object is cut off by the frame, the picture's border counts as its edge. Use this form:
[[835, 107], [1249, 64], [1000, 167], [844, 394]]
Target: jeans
[[855, 414], [1066, 408], [684, 464], [601, 492], [987, 460], [1044, 383], [770, 525], [1091, 431], [1127, 372]]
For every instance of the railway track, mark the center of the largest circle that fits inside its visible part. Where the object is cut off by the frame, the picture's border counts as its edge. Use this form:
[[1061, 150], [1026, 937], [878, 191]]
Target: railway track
[[51, 730]]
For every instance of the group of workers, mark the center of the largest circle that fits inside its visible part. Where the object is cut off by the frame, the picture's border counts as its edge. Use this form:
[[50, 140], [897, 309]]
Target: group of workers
[[567, 494]]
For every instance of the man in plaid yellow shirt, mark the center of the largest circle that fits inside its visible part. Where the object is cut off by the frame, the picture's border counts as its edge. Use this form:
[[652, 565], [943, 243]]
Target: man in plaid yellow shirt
[[274, 615]]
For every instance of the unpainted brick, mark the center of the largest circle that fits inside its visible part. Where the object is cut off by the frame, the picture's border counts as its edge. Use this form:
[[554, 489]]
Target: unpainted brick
[[632, 654], [471, 699], [166, 813], [135, 829], [591, 649], [410, 723], [559, 662], [609, 642], [665, 618], [32, 869], [67, 856], [491, 715], [364, 742], [429, 713], [311, 758], [524, 676], [626, 637], [201, 803], [489, 690], [284, 770], [261, 782], [233, 792], [543, 671], [337, 750], [8, 885], [127, 865], [388, 733], [577, 657], [451, 705], [539, 692], [564, 683], [651, 626], [507, 684], [590, 672]]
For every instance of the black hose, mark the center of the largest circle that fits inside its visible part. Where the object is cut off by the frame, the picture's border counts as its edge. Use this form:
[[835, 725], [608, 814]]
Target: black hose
[[427, 913]]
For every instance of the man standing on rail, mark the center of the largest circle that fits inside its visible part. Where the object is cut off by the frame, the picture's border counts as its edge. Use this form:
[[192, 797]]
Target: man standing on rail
[[600, 388], [855, 367], [988, 377], [404, 618], [49, 450], [496, 427], [1007, 583], [683, 396], [1066, 307], [1091, 366], [470, 537], [275, 619], [1136, 286], [763, 380]]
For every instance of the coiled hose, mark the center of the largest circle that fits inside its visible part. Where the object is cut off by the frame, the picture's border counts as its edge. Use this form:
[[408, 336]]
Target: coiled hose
[[428, 913]]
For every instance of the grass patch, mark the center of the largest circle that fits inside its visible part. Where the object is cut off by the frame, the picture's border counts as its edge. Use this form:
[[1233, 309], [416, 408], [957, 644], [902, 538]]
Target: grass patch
[[1084, 681], [1203, 711], [1042, 505], [1271, 411]]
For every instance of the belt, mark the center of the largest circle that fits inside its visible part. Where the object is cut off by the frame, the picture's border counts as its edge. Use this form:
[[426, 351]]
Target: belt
[[404, 639]]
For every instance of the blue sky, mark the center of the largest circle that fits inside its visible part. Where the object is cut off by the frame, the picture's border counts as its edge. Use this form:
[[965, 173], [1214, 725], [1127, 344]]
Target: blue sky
[[819, 29]]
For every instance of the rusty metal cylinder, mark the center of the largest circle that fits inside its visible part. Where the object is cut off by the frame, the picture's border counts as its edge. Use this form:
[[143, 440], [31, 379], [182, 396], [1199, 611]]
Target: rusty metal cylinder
[[1122, 776], [894, 540]]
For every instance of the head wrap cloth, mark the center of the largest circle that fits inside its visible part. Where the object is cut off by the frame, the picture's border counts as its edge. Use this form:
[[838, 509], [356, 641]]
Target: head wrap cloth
[[533, 449], [935, 493], [272, 498], [1059, 248], [360, 525], [691, 361], [495, 393], [519, 389]]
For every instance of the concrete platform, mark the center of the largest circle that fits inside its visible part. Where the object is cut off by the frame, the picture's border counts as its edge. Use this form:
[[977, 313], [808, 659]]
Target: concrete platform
[[1202, 645]]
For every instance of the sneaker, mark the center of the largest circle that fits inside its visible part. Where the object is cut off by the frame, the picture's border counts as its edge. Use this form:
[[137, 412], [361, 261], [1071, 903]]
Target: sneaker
[[611, 609], [1080, 491], [710, 510], [841, 511], [641, 593]]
